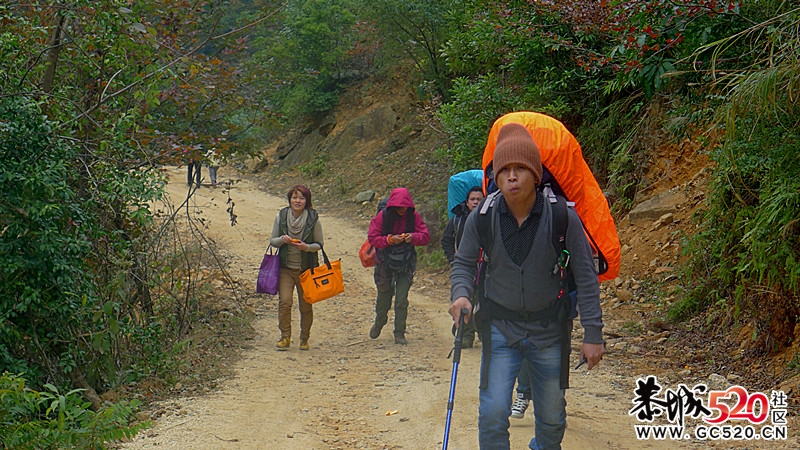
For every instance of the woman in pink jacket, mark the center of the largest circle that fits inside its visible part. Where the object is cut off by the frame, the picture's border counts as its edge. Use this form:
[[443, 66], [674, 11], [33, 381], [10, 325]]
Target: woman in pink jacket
[[394, 232]]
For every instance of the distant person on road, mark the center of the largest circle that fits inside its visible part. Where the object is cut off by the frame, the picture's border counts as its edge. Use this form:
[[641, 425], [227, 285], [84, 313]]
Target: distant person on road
[[522, 310], [394, 232], [297, 234], [451, 238], [193, 168], [213, 160]]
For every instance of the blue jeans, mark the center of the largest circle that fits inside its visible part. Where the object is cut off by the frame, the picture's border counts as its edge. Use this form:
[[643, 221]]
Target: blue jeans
[[549, 405]]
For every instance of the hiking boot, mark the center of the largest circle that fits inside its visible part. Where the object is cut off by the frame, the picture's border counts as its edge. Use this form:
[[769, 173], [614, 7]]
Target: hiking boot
[[283, 344], [304, 344], [375, 331], [467, 341], [519, 406], [400, 338]]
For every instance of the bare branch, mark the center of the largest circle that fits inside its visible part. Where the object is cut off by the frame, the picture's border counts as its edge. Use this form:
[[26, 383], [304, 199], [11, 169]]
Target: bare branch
[[252, 24]]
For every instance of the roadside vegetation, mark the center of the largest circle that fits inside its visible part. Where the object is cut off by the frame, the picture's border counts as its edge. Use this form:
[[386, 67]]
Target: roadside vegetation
[[98, 290]]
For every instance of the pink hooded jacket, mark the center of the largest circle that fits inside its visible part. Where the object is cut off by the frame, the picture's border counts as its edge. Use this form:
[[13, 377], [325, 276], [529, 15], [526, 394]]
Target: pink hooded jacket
[[399, 198]]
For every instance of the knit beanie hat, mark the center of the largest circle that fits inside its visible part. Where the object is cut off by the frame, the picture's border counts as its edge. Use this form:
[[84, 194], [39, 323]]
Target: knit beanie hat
[[515, 146]]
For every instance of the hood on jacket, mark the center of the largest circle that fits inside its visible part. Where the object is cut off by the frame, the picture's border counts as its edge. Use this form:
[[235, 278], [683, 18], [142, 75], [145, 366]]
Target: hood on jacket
[[400, 198], [461, 209]]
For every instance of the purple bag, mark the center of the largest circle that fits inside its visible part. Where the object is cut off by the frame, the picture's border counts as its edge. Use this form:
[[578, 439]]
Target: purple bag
[[269, 273]]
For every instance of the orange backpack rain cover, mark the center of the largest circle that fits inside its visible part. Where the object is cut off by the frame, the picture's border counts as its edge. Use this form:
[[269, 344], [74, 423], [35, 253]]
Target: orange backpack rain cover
[[562, 156]]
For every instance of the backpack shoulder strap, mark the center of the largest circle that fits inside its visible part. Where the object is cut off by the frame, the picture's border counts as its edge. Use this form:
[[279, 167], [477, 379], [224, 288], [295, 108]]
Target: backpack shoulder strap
[[558, 234], [560, 219], [486, 222], [457, 219], [483, 318]]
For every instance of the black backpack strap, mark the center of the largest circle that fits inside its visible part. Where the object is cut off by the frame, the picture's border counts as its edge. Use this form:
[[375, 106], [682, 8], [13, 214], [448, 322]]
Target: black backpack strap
[[559, 236], [483, 321], [560, 220], [485, 221]]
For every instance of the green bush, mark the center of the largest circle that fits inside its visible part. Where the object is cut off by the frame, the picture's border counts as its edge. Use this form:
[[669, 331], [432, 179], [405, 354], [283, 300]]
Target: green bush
[[50, 419], [432, 260], [748, 244], [70, 271], [467, 119], [46, 236], [316, 167]]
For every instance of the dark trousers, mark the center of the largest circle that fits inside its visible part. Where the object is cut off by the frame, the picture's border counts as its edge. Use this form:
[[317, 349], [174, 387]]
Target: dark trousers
[[212, 173], [398, 286], [193, 166]]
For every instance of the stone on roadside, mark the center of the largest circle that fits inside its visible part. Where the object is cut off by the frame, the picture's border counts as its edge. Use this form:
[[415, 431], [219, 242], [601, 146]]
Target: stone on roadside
[[717, 382], [364, 196], [658, 206], [624, 295]]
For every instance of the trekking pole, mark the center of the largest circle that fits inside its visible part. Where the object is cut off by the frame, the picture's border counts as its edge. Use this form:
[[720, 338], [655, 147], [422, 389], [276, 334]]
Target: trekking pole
[[456, 360]]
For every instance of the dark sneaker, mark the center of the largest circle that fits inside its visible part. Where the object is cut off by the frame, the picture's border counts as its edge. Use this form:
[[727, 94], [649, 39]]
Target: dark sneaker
[[375, 331], [520, 405], [400, 338]]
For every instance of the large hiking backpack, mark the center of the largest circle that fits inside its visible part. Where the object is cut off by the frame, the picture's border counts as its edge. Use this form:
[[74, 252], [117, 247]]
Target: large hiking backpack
[[459, 185], [569, 175], [367, 253]]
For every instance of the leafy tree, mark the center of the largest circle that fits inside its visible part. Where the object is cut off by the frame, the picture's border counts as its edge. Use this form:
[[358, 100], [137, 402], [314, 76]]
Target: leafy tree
[[305, 55], [475, 104], [80, 86], [416, 30], [46, 235], [529, 51], [596, 67]]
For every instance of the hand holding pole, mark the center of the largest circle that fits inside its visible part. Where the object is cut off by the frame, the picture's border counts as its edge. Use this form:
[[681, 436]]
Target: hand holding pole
[[456, 360]]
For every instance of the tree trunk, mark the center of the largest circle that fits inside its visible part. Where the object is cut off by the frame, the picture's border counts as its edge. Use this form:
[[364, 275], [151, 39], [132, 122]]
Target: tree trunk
[[80, 382], [52, 56]]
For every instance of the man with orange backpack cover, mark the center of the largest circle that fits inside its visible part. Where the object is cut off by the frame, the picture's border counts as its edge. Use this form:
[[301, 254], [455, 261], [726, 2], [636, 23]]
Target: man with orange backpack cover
[[522, 304]]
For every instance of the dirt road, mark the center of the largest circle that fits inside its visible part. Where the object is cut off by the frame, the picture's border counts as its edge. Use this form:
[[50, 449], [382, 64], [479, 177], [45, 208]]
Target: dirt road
[[337, 395]]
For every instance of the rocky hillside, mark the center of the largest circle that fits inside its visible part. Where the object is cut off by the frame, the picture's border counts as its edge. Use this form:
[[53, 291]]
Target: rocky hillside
[[377, 139], [381, 137]]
